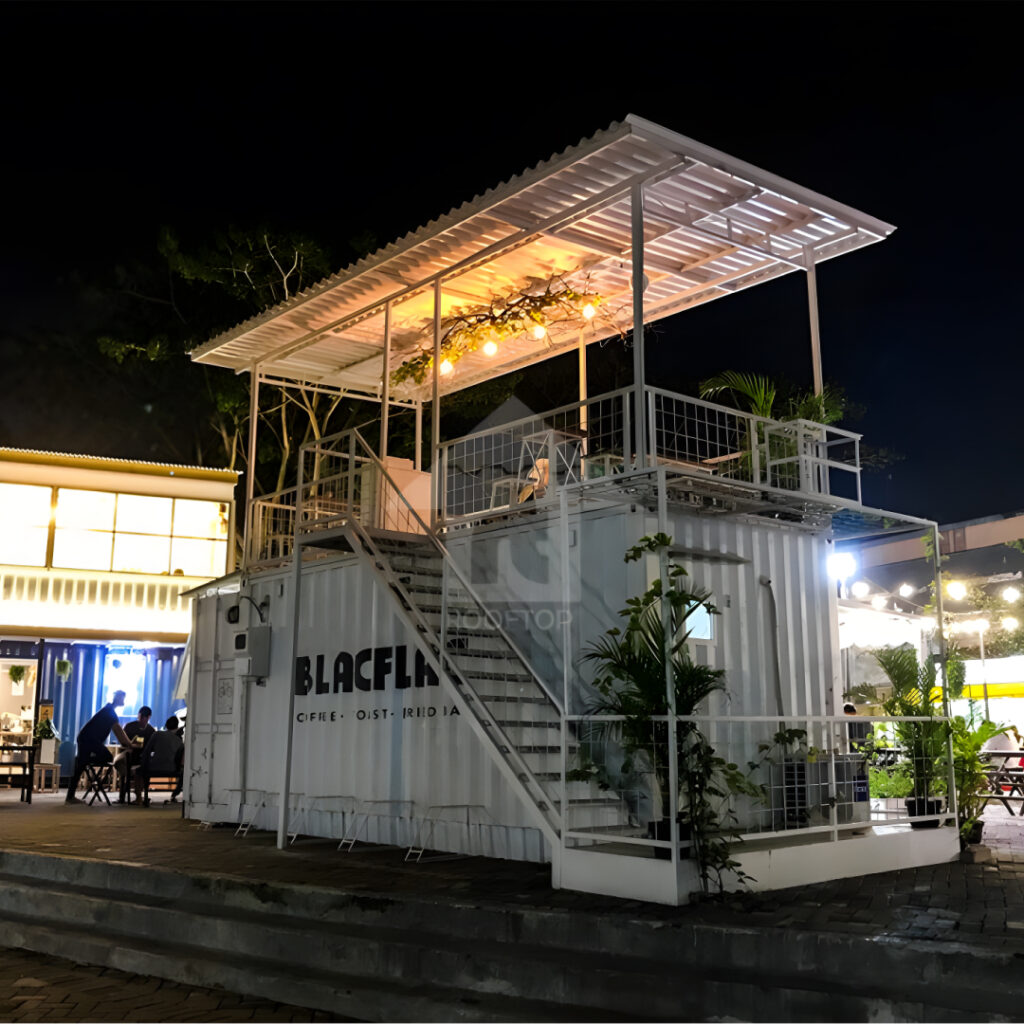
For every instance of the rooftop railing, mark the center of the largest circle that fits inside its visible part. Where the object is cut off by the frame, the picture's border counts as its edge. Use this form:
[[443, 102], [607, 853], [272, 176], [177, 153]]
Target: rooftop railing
[[526, 463]]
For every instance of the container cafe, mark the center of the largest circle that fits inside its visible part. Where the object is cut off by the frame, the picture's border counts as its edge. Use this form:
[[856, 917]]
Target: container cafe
[[401, 658]]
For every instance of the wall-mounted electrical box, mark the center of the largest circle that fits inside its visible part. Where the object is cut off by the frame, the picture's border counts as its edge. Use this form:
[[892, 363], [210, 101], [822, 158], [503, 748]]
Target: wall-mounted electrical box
[[252, 652]]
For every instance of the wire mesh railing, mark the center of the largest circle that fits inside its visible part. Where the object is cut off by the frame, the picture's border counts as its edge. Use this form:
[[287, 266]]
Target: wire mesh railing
[[770, 778]]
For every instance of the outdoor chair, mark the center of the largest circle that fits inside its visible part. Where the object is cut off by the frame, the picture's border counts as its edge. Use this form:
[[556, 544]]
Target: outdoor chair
[[161, 759], [96, 776]]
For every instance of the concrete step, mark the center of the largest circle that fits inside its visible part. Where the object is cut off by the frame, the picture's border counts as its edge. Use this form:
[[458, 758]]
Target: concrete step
[[378, 957]]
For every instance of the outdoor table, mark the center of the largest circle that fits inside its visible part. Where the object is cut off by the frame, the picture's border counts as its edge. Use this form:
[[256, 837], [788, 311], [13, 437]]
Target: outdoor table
[[1005, 781]]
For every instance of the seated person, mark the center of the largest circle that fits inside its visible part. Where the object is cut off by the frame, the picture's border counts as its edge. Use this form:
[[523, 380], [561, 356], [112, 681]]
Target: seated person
[[163, 754], [138, 732], [536, 481], [92, 741]]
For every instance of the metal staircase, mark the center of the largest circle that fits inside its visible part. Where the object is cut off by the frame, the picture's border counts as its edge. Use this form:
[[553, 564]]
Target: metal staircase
[[515, 714]]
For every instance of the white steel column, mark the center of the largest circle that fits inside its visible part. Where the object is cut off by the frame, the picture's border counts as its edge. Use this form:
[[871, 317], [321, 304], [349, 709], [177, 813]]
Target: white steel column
[[636, 210], [435, 413], [812, 310], [385, 386], [583, 384], [250, 469], [419, 437], [292, 675]]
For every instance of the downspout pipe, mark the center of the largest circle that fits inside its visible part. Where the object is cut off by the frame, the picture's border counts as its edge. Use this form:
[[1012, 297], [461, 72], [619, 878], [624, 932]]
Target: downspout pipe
[[773, 611]]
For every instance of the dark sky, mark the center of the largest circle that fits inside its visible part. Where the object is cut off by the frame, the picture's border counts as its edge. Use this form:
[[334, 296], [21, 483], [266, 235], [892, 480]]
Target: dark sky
[[345, 117]]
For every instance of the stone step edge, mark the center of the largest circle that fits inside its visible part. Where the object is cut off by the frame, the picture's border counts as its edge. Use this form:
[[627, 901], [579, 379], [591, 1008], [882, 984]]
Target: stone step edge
[[393, 999]]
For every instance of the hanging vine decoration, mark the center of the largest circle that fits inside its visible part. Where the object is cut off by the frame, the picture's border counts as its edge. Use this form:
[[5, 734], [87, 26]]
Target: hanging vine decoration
[[503, 318]]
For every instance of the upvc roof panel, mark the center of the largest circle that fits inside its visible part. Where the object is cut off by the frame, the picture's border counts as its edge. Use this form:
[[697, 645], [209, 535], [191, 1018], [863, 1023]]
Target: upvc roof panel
[[713, 225]]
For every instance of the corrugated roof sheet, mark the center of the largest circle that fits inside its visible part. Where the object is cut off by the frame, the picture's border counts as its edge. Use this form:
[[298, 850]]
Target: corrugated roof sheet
[[713, 225]]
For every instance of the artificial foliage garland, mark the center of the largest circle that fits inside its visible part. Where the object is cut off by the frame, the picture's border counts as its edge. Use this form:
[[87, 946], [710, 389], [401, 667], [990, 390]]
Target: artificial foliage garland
[[503, 318]]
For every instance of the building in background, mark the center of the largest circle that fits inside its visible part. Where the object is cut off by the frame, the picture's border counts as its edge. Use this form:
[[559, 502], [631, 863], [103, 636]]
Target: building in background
[[95, 555]]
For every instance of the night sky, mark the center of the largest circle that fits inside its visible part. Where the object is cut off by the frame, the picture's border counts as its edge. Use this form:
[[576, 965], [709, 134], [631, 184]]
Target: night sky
[[341, 118]]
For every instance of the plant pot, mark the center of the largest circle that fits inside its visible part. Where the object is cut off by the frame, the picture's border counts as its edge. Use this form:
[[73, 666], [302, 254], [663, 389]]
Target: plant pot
[[972, 835], [662, 830], [48, 751], [918, 806]]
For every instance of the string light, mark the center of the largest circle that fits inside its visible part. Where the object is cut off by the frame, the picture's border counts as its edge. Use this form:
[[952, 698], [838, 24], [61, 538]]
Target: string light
[[445, 367], [956, 590], [539, 331], [589, 312], [490, 349]]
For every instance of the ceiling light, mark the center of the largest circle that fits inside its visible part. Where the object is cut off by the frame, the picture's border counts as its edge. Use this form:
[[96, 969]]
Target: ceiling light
[[841, 565], [956, 590], [860, 589], [906, 590], [1010, 624], [589, 312], [539, 331], [445, 367]]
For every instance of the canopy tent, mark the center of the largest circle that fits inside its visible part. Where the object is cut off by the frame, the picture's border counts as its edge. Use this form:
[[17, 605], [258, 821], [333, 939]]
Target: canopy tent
[[712, 225]]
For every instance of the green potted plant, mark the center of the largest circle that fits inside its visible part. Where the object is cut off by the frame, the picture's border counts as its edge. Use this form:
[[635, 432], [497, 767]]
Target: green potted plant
[[969, 766], [17, 674], [631, 682], [923, 742], [62, 669], [46, 738]]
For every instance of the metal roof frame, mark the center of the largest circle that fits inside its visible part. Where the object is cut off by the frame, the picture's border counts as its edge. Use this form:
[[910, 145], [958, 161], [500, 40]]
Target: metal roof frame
[[712, 225]]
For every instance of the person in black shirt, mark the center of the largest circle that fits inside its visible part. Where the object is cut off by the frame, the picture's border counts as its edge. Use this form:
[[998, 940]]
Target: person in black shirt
[[138, 732], [92, 741]]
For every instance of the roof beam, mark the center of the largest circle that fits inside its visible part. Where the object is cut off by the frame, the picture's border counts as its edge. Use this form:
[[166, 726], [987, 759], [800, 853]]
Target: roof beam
[[565, 217]]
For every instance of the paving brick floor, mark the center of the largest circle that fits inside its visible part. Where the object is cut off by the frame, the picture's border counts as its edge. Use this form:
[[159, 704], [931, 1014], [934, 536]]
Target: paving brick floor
[[974, 903], [34, 987]]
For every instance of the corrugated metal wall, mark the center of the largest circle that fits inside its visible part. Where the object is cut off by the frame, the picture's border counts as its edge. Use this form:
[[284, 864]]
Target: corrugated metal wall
[[405, 746]]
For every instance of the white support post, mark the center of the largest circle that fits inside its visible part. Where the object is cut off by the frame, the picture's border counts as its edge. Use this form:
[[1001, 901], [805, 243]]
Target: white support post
[[812, 310], [250, 469], [435, 413], [637, 222], [292, 675], [583, 387], [944, 677], [419, 437], [563, 529], [385, 403], [670, 682]]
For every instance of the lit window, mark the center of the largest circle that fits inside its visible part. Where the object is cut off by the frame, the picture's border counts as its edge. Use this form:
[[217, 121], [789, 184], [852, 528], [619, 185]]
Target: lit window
[[84, 510], [206, 519], [82, 549], [198, 557], [700, 624], [124, 671], [25, 514], [138, 513], [134, 553]]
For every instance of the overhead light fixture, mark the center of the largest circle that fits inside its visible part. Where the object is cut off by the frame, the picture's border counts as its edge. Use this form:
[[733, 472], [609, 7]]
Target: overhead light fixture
[[589, 312], [906, 590], [956, 590], [539, 331], [860, 590], [1011, 595]]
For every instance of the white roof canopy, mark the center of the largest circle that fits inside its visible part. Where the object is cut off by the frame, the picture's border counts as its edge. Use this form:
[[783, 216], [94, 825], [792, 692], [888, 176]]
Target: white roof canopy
[[713, 225]]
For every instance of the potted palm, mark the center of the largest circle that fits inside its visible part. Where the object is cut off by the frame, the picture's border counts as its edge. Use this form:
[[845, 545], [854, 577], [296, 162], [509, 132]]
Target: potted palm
[[630, 682], [969, 766], [923, 742]]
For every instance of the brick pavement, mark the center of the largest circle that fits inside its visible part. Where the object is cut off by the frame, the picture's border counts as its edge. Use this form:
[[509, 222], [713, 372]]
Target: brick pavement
[[976, 903], [35, 987]]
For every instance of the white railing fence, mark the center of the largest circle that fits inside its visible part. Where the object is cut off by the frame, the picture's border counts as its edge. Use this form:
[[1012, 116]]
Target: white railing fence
[[780, 779]]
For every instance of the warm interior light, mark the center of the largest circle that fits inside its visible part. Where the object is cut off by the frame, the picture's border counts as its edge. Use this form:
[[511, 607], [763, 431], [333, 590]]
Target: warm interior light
[[841, 565], [1011, 595], [490, 349], [878, 602], [539, 331], [906, 590], [589, 312], [445, 367], [956, 590], [1009, 623], [860, 589]]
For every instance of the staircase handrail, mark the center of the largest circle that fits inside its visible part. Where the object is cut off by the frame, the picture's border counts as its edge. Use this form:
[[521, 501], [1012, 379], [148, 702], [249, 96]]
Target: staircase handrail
[[459, 575], [476, 707]]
